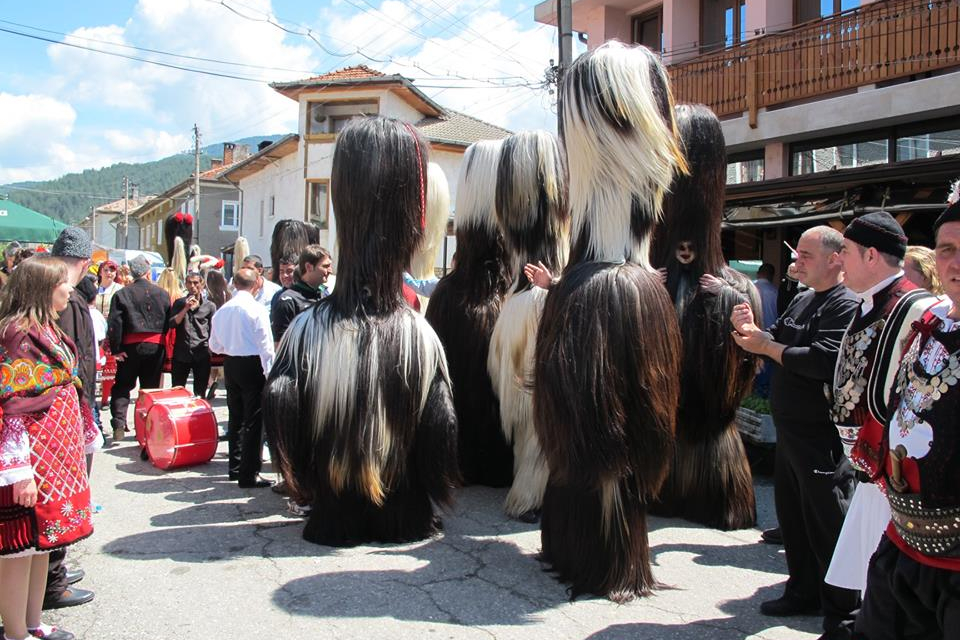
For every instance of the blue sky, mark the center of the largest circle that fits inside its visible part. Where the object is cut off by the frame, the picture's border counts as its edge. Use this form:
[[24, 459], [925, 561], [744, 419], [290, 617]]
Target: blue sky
[[68, 108]]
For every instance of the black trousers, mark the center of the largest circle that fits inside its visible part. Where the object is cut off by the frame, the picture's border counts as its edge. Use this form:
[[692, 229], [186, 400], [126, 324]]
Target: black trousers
[[144, 361], [907, 600], [200, 365], [244, 380], [56, 574], [813, 483]]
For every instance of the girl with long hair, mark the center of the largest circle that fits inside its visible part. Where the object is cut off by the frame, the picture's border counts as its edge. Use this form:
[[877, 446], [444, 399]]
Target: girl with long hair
[[39, 394]]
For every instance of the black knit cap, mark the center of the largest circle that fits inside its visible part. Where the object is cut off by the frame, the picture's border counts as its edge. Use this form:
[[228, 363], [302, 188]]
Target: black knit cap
[[950, 214], [73, 242], [878, 230]]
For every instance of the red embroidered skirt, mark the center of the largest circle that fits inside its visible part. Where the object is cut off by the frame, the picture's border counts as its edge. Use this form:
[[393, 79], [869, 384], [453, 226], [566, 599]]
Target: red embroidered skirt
[[62, 514]]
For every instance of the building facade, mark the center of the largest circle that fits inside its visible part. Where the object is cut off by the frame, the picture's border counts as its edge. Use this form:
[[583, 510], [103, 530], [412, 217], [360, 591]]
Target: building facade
[[830, 108]]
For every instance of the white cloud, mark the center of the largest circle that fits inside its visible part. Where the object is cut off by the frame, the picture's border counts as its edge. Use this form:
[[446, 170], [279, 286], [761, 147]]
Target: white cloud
[[30, 132]]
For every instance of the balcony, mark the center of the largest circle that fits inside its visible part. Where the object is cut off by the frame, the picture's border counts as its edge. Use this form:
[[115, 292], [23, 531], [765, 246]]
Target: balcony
[[869, 45]]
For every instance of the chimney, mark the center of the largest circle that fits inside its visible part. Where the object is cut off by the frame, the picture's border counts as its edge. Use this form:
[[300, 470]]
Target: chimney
[[228, 148], [263, 145], [216, 163]]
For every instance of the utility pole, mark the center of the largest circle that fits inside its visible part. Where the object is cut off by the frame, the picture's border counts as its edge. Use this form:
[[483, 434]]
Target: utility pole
[[196, 183], [126, 219], [565, 41]]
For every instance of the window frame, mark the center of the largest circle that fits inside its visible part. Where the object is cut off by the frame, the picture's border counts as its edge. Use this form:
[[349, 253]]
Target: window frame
[[738, 29], [330, 137], [643, 17], [223, 208], [325, 219]]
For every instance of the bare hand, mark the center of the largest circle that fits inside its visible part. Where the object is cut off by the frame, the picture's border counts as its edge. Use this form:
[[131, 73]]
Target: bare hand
[[120, 357], [538, 274], [711, 284], [754, 342], [662, 272], [193, 303], [742, 319], [25, 493]]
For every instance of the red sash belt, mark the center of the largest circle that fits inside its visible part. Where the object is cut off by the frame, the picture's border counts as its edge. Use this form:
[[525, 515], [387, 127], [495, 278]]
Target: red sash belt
[[137, 338]]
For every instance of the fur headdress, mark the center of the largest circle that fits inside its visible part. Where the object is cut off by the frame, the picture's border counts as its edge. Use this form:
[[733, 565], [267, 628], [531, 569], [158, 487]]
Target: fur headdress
[[241, 249], [177, 225], [531, 201], [618, 127], [438, 213], [290, 236]]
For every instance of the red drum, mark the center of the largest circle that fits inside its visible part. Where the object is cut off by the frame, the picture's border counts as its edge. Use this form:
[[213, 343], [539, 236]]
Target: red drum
[[181, 435], [150, 397]]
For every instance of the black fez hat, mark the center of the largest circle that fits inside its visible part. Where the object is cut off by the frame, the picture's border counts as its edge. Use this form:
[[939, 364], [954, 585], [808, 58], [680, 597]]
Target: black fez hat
[[878, 230], [952, 212]]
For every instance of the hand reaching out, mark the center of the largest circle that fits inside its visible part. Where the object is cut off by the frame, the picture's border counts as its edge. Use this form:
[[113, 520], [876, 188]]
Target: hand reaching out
[[742, 320], [711, 284], [662, 272], [538, 274]]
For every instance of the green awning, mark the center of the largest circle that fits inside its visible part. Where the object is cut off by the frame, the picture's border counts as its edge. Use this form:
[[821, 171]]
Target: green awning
[[26, 225]]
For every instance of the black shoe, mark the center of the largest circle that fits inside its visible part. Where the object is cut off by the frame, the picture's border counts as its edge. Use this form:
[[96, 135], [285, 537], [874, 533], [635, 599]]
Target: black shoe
[[843, 632], [772, 536], [55, 634], [280, 487], [530, 517], [75, 576], [212, 391], [254, 483], [789, 606], [68, 598], [233, 476]]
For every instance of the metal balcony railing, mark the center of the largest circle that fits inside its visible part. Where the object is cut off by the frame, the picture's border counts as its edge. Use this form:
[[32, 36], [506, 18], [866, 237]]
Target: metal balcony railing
[[877, 42]]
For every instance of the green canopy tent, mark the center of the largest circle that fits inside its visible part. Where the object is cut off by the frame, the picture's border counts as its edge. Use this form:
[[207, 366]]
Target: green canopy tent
[[26, 225]]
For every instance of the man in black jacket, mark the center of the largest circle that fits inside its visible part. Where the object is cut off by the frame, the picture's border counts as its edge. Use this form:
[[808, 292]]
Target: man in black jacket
[[136, 330], [74, 249], [190, 316], [312, 270], [813, 481]]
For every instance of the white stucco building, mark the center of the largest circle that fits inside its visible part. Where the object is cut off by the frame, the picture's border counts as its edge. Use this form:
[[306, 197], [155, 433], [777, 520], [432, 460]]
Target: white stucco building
[[291, 178]]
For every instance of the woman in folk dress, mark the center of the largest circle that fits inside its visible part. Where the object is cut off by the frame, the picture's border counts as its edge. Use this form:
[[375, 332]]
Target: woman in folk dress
[[46, 430]]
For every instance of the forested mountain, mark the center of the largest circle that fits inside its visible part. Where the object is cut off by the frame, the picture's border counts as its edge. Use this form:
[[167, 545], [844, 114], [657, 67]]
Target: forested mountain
[[71, 197]]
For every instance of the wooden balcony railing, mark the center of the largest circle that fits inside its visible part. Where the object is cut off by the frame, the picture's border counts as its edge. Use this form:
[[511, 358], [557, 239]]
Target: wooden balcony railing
[[877, 42]]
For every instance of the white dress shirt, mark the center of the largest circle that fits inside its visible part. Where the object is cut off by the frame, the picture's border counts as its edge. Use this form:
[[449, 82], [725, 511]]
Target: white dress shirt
[[241, 327], [866, 297], [266, 293]]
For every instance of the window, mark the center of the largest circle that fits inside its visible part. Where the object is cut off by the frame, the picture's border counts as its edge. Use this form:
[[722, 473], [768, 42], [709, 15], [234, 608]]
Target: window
[[262, 221], [159, 229], [928, 145], [318, 206], [647, 29], [840, 156], [806, 10], [230, 215], [328, 118], [722, 23], [746, 170]]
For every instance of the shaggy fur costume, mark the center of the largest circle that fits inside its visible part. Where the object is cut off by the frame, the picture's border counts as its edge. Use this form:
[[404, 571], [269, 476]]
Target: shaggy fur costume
[[358, 402], [435, 224], [607, 359], [177, 225], [710, 480], [531, 208], [290, 236], [463, 310]]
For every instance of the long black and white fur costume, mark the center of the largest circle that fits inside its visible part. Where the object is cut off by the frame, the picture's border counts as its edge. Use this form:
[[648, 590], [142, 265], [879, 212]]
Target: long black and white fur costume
[[531, 206], [358, 402], [710, 480], [607, 357], [463, 310], [290, 236], [177, 225]]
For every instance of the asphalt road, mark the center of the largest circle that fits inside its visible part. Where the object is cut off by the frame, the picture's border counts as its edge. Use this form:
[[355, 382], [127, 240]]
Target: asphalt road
[[187, 554]]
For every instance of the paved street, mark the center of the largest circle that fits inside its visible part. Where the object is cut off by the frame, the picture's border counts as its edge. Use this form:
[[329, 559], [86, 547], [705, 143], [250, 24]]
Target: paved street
[[187, 554]]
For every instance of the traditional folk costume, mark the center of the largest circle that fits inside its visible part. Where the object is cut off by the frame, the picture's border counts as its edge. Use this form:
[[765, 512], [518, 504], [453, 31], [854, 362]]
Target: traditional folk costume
[[46, 432], [463, 310], [868, 514], [531, 206], [607, 371], [710, 480], [358, 403]]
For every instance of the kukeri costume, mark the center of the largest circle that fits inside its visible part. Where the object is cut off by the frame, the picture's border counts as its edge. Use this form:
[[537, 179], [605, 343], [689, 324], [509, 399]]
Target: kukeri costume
[[463, 310], [358, 403], [710, 480], [531, 208], [607, 370]]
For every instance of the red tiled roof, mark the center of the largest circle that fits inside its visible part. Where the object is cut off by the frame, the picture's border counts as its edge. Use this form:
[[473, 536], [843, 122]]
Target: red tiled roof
[[459, 129], [347, 73]]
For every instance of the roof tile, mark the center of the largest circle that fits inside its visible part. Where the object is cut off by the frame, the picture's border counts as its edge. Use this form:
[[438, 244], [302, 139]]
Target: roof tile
[[458, 128]]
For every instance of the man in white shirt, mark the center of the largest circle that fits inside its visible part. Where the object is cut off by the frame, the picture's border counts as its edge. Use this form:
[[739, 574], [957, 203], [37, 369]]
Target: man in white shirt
[[241, 331], [266, 289]]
